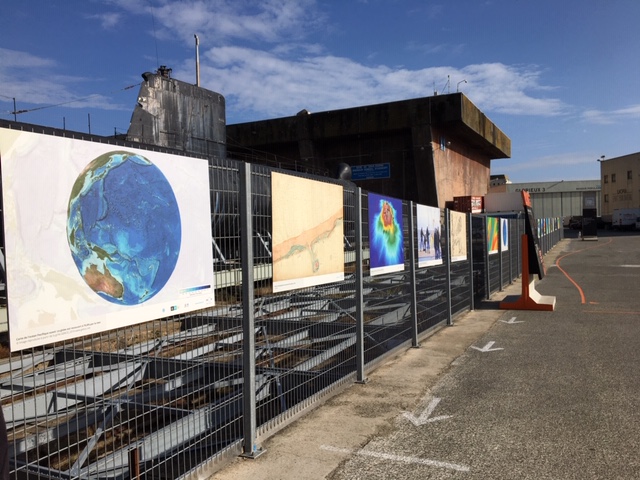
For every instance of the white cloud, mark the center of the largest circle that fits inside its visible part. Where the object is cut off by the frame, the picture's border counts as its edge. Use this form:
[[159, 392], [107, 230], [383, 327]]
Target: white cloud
[[264, 68], [107, 20], [505, 89], [563, 166], [16, 59], [32, 80], [436, 48], [268, 84], [602, 117], [221, 21]]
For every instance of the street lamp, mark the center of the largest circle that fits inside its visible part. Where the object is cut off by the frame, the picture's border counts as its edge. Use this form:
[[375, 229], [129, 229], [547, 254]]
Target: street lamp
[[458, 85]]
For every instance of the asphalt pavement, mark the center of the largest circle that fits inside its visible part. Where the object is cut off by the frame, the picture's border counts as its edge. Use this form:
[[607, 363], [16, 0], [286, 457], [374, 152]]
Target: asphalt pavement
[[502, 394]]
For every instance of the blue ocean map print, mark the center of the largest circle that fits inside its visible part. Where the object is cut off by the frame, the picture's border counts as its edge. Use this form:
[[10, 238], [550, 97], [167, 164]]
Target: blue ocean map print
[[386, 240], [123, 227]]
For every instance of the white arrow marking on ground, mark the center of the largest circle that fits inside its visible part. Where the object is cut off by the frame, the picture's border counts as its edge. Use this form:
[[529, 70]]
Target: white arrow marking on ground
[[511, 321], [397, 458], [487, 348], [424, 416]]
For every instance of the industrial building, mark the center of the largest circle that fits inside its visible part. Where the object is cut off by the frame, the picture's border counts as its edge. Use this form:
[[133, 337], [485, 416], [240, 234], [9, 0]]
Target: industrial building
[[618, 188], [620, 178], [428, 150], [564, 198]]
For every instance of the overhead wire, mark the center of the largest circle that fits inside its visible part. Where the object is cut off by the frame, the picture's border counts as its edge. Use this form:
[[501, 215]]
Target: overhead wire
[[27, 110], [16, 112]]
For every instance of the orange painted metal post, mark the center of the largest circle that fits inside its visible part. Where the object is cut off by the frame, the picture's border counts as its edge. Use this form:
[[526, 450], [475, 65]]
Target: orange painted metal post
[[134, 464], [530, 299]]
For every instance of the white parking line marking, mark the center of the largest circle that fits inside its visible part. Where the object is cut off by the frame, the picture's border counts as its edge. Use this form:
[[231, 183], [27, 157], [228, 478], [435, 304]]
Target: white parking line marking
[[398, 458], [512, 321], [423, 418], [487, 348]]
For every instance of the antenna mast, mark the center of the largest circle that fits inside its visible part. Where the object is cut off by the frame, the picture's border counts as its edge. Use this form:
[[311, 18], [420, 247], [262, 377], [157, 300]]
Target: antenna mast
[[197, 61]]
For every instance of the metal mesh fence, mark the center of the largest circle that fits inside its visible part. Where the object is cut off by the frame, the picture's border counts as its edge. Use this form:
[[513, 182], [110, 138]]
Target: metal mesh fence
[[480, 261], [493, 269], [306, 338], [161, 399], [386, 297], [505, 264], [460, 287], [515, 230]]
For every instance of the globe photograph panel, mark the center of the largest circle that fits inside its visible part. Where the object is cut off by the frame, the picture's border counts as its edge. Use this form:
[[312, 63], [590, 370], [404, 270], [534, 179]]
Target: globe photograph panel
[[123, 227]]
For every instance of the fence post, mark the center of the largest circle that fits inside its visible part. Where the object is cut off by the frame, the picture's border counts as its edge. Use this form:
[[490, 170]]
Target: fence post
[[485, 243], [447, 224], [500, 254], [360, 377], [134, 464], [519, 246], [250, 448], [412, 270], [511, 247], [546, 229], [470, 257]]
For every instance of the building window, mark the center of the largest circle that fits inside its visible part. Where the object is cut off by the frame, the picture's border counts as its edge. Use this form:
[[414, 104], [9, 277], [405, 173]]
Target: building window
[[606, 198], [629, 175], [606, 179], [613, 178]]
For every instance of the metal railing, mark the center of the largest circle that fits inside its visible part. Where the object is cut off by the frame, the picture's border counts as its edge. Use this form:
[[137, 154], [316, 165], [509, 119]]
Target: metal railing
[[166, 398]]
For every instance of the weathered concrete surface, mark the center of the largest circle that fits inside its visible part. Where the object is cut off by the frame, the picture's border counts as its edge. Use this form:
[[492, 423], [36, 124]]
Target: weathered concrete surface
[[175, 114], [436, 147]]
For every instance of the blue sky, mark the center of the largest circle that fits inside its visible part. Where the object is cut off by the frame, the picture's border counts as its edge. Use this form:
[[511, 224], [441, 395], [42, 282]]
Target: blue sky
[[560, 78]]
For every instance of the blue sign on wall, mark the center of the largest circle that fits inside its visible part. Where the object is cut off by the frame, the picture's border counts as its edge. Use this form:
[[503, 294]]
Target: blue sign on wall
[[370, 172]]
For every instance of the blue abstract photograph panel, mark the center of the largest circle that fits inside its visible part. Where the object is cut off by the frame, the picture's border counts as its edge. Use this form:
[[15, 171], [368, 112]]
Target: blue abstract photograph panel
[[386, 240]]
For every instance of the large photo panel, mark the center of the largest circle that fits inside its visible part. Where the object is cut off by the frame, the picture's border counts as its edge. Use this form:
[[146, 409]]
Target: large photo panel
[[493, 238], [459, 235], [386, 240], [308, 232], [504, 234], [428, 236], [100, 236]]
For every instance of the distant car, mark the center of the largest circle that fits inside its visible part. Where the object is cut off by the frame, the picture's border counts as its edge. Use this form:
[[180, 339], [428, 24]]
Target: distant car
[[575, 224]]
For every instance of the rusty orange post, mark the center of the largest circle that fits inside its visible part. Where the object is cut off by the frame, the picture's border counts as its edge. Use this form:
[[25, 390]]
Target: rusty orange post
[[530, 299]]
